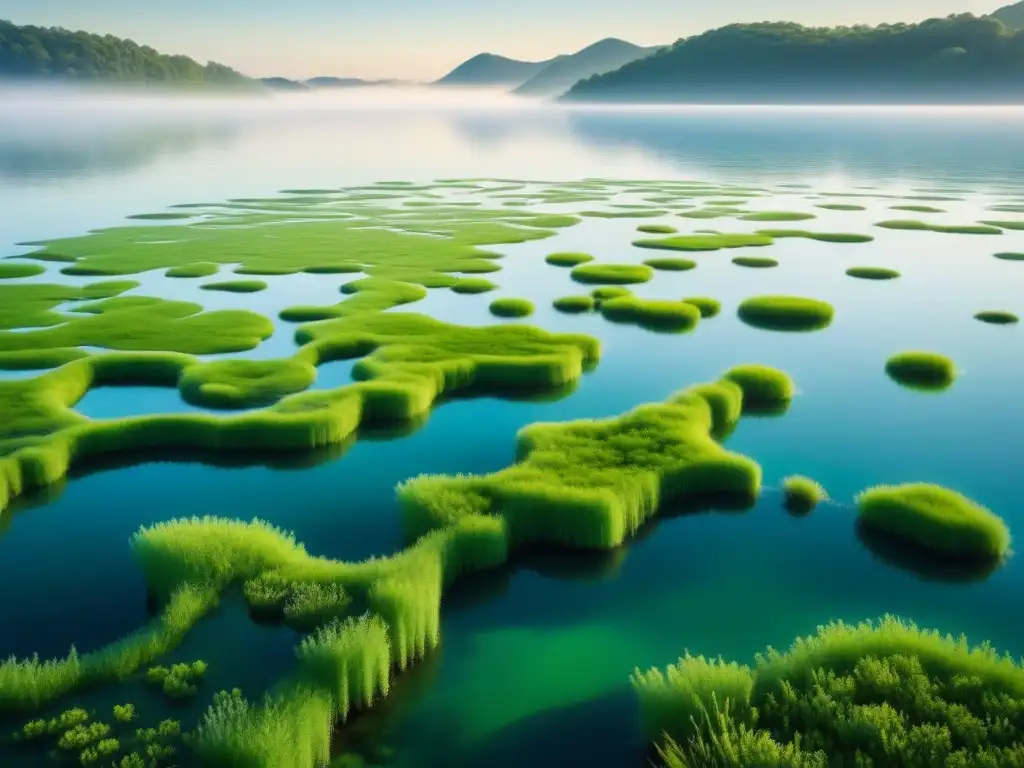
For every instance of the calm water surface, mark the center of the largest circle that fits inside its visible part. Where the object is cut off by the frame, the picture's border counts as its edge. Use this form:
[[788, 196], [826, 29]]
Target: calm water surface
[[536, 658]]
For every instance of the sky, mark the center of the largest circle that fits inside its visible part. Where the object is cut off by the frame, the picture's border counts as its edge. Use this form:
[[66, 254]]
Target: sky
[[424, 39]]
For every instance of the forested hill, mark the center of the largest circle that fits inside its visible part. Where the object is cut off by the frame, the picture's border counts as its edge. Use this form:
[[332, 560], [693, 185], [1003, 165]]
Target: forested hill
[[958, 59], [1011, 15], [55, 53]]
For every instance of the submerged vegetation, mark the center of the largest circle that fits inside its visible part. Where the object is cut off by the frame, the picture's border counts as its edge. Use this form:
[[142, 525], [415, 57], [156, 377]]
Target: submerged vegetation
[[867, 694]]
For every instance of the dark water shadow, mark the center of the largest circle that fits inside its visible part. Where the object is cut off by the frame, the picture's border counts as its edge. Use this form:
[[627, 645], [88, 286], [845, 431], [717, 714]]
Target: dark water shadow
[[920, 562]]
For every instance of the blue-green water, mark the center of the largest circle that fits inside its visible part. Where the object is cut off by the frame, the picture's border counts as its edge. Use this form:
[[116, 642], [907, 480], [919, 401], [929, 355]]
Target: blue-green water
[[535, 659]]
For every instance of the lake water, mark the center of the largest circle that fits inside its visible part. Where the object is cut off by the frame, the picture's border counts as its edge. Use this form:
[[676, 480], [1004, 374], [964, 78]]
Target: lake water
[[535, 658]]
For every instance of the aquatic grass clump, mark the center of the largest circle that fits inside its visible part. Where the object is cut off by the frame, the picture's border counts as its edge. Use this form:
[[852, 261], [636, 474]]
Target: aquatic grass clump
[[707, 306], [244, 383], [612, 274], [670, 264], [198, 269], [568, 259], [652, 313], [15, 269], [473, 285], [704, 242], [935, 518], [997, 317], [574, 304], [884, 693], [351, 659], [762, 386], [292, 728], [657, 229], [177, 681], [309, 605], [802, 494], [757, 262], [954, 229], [786, 313], [509, 307], [873, 273], [236, 286], [923, 370]]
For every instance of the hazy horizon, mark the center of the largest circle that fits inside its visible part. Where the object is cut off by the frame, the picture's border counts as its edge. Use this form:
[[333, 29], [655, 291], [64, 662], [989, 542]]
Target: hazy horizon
[[400, 39]]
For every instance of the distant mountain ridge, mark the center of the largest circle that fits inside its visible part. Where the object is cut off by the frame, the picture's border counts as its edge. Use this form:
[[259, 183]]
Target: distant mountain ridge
[[319, 83], [56, 53], [957, 59], [490, 69], [564, 72], [1011, 15]]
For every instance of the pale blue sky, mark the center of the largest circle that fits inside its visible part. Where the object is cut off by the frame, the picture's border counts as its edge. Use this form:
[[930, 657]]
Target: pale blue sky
[[423, 39]]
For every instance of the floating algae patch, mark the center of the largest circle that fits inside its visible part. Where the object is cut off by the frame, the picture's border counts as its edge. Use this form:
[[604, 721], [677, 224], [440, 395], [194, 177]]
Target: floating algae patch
[[31, 305], [574, 304], [997, 317], [1009, 256], [1015, 225], [612, 274], [917, 208], [921, 370], [626, 214], [777, 216], [670, 264], [169, 216], [824, 237], [841, 207], [652, 314], [236, 286], [704, 242], [786, 313], [15, 269], [914, 225], [657, 229], [873, 273], [198, 269], [707, 306], [937, 519], [511, 307], [609, 292], [473, 285], [849, 676], [144, 323], [710, 213], [568, 259], [757, 262], [244, 383], [802, 494]]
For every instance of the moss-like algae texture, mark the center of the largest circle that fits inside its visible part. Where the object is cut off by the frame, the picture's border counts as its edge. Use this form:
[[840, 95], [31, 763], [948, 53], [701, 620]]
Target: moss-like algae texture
[[921, 370], [786, 313], [612, 274]]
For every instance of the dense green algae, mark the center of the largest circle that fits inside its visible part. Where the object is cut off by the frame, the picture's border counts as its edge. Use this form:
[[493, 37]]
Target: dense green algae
[[757, 262], [786, 313], [884, 693], [244, 383], [1013, 225], [921, 370], [568, 259], [705, 242], [841, 207], [707, 306], [198, 269], [954, 229], [824, 237], [653, 314], [14, 269], [802, 494], [671, 264], [656, 229], [31, 305], [873, 273], [511, 307], [236, 286], [473, 285], [1009, 256], [917, 208], [763, 387], [777, 216], [997, 317], [574, 304], [935, 518], [612, 274]]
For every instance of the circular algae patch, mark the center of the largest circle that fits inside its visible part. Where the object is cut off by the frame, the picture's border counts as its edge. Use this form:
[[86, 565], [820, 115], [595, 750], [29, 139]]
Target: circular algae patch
[[510, 307], [612, 274], [786, 313], [873, 273], [997, 317], [921, 370]]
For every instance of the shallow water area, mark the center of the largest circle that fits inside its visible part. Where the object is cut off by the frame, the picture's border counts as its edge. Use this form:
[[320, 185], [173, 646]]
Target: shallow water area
[[558, 634]]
